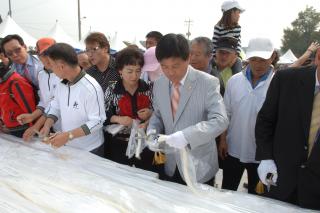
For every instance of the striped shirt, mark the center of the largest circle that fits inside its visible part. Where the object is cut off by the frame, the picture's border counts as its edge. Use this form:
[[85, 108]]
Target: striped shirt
[[105, 78], [220, 31]]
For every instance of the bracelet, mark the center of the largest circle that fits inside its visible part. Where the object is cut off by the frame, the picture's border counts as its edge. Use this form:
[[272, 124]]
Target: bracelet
[[310, 50]]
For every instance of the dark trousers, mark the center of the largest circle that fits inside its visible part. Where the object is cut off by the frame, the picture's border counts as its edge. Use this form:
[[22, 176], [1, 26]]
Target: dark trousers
[[307, 192], [176, 178], [115, 150], [98, 151], [233, 170], [18, 131]]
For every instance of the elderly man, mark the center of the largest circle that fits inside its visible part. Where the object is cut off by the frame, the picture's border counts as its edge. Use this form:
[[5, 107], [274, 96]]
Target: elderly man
[[201, 54], [79, 105], [25, 64], [287, 136], [188, 108], [227, 61], [103, 69], [244, 96]]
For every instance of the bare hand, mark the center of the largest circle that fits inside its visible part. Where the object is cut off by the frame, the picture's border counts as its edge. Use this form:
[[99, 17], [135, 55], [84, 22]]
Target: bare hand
[[125, 120], [144, 114], [314, 46], [29, 133], [25, 118], [45, 133], [223, 149], [58, 139]]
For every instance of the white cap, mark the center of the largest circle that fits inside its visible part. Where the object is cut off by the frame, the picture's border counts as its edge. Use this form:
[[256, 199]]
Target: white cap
[[260, 47], [227, 5]]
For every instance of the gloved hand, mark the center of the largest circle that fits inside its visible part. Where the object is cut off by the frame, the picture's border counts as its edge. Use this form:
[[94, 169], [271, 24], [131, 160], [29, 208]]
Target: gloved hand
[[265, 167], [177, 140], [153, 142]]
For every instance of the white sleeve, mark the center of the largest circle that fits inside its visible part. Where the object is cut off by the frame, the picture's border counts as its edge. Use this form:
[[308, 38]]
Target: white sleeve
[[53, 109], [94, 107], [41, 105]]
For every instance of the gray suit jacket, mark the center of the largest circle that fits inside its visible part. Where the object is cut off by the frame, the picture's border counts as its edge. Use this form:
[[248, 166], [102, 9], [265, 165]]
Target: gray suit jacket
[[201, 116]]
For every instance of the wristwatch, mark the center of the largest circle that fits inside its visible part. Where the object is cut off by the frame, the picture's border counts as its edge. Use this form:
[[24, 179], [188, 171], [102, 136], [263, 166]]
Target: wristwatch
[[70, 136]]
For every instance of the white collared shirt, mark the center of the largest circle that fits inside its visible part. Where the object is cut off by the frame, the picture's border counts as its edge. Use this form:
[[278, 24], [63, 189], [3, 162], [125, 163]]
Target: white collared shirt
[[242, 105]]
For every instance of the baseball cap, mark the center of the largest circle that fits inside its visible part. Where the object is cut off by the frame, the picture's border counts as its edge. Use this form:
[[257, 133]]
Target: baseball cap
[[228, 5], [44, 43], [260, 47], [150, 61], [227, 43]]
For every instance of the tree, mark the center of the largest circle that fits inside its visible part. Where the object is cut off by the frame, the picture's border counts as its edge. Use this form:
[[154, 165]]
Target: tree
[[305, 29]]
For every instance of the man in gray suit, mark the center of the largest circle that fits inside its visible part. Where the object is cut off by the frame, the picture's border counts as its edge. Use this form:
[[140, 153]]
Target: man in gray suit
[[188, 108]]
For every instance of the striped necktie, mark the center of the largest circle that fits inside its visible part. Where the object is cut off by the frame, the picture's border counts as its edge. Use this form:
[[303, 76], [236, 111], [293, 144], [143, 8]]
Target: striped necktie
[[26, 73], [315, 121], [175, 98]]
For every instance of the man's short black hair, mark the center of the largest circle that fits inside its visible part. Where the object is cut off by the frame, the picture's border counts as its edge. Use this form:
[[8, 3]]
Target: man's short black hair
[[173, 45], [64, 52], [129, 56], [154, 34], [9, 38]]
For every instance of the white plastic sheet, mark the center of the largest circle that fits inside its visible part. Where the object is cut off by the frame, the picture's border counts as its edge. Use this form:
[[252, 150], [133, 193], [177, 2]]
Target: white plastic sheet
[[34, 178]]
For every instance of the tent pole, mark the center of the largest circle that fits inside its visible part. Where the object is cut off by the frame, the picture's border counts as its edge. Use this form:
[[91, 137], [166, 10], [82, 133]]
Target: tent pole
[[10, 11], [79, 20]]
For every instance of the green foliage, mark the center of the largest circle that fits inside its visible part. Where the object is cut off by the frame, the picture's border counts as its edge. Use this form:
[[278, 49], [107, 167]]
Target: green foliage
[[305, 29]]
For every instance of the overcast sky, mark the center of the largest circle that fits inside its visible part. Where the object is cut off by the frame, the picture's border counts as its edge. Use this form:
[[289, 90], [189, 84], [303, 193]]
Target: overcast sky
[[132, 19]]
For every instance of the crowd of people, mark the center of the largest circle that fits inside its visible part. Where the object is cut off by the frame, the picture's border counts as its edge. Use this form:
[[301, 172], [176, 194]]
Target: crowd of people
[[230, 111]]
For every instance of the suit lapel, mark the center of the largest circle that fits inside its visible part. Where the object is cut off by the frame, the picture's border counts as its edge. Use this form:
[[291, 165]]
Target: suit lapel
[[306, 95], [185, 93]]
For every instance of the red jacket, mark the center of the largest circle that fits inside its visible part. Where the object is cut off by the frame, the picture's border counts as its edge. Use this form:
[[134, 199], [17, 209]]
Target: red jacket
[[16, 97]]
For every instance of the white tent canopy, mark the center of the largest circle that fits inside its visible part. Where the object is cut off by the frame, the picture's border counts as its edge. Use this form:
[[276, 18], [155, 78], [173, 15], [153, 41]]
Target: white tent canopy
[[60, 35], [135, 42], [116, 43], [9, 26], [287, 58]]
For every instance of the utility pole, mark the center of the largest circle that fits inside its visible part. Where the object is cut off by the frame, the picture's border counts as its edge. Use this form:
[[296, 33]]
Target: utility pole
[[188, 22], [10, 11], [79, 20]]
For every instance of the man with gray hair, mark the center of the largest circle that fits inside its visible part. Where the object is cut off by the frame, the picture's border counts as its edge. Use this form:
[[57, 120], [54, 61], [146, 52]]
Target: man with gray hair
[[201, 54]]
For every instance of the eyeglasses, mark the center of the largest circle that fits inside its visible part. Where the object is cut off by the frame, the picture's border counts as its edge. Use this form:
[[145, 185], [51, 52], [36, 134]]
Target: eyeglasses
[[92, 50], [15, 51]]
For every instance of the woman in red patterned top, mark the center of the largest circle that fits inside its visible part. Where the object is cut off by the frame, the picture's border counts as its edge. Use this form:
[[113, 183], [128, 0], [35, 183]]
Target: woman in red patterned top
[[128, 99]]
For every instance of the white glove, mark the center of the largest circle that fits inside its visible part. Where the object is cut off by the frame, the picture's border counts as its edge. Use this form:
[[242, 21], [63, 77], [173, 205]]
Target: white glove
[[155, 144], [266, 167], [177, 140]]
